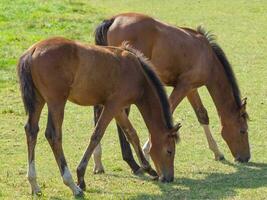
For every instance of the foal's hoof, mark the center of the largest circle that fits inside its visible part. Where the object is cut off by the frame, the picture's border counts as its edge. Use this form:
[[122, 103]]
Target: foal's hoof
[[99, 170], [82, 185], [219, 157], [78, 192], [139, 171], [37, 192], [151, 172]]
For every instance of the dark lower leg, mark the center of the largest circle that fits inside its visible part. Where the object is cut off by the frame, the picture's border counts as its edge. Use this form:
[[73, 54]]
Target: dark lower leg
[[31, 130], [104, 119], [126, 151], [132, 137]]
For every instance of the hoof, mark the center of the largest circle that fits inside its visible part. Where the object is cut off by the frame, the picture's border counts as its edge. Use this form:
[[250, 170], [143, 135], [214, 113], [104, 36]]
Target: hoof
[[99, 170], [139, 171], [82, 185], [78, 192], [37, 192], [151, 172], [219, 157]]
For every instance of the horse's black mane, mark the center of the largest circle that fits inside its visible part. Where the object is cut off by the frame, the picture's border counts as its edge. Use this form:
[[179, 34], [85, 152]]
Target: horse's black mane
[[155, 81], [226, 65]]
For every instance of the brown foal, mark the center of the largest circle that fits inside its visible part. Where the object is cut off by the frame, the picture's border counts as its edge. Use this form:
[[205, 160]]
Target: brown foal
[[57, 69], [185, 59]]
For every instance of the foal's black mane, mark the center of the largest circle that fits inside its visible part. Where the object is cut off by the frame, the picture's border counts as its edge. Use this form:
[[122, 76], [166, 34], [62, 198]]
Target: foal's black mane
[[226, 65], [155, 81]]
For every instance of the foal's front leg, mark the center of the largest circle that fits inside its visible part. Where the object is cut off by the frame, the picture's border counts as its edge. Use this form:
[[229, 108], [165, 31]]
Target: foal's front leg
[[97, 154], [130, 132], [104, 119]]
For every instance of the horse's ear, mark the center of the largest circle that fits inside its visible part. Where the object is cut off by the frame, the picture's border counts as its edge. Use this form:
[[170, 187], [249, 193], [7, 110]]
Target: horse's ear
[[176, 127], [244, 101], [243, 112], [243, 106]]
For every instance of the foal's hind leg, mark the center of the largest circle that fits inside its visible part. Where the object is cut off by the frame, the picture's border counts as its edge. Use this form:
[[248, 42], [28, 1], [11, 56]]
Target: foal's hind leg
[[203, 119], [53, 134], [97, 154], [125, 124], [104, 119], [31, 129]]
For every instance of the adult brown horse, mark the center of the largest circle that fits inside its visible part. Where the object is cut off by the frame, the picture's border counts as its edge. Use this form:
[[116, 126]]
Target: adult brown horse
[[56, 70], [184, 59]]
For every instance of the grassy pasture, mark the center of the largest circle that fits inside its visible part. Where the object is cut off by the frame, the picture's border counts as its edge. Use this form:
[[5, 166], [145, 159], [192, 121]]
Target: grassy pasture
[[241, 29]]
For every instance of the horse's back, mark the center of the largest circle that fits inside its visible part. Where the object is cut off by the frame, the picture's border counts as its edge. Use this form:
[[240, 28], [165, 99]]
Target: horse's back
[[172, 50], [84, 74]]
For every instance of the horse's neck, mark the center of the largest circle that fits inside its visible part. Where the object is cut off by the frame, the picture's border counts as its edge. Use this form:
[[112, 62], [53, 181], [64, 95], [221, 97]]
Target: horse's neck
[[222, 95], [151, 110]]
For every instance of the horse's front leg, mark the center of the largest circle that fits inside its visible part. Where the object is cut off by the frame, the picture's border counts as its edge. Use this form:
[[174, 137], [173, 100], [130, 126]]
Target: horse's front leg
[[130, 132], [126, 151], [104, 119], [53, 134], [97, 154]]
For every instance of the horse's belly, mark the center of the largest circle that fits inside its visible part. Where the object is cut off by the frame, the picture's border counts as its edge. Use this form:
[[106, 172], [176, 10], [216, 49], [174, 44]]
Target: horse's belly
[[85, 97]]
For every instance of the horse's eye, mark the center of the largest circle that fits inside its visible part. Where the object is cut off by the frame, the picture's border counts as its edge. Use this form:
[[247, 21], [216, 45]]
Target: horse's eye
[[242, 131], [169, 152]]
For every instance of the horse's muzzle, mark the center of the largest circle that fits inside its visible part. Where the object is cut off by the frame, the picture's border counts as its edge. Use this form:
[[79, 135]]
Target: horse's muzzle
[[242, 160], [164, 179]]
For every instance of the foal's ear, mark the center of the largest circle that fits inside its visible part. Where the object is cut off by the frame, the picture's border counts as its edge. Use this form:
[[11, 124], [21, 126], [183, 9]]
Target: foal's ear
[[243, 106], [176, 127], [244, 101]]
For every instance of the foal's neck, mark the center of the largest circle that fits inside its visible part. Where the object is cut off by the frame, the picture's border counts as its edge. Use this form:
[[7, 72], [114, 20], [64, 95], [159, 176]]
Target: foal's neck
[[152, 112], [222, 95]]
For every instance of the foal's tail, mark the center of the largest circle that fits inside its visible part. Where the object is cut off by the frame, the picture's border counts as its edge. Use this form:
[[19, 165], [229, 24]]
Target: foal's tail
[[101, 32], [26, 83]]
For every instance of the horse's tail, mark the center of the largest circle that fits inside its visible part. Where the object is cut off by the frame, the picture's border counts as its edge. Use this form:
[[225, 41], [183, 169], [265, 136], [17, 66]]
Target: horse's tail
[[101, 32], [26, 83], [224, 61]]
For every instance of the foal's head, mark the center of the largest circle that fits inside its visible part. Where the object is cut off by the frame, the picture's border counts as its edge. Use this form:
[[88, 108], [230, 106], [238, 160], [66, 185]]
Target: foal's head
[[162, 153], [235, 133]]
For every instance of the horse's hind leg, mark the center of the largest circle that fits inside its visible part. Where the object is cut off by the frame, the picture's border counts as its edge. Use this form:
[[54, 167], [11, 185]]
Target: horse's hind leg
[[106, 116], [129, 131], [126, 151], [97, 154], [31, 129], [53, 134], [203, 118]]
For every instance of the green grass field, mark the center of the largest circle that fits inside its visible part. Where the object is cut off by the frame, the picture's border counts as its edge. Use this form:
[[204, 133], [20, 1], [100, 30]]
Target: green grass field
[[240, 27]]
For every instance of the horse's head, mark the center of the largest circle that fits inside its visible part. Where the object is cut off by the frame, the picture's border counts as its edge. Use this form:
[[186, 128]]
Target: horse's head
[[235, 133], [162, 152]]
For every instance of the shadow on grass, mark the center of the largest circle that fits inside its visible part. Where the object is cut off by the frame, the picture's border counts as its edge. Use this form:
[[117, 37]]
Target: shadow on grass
[[215, 185]]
